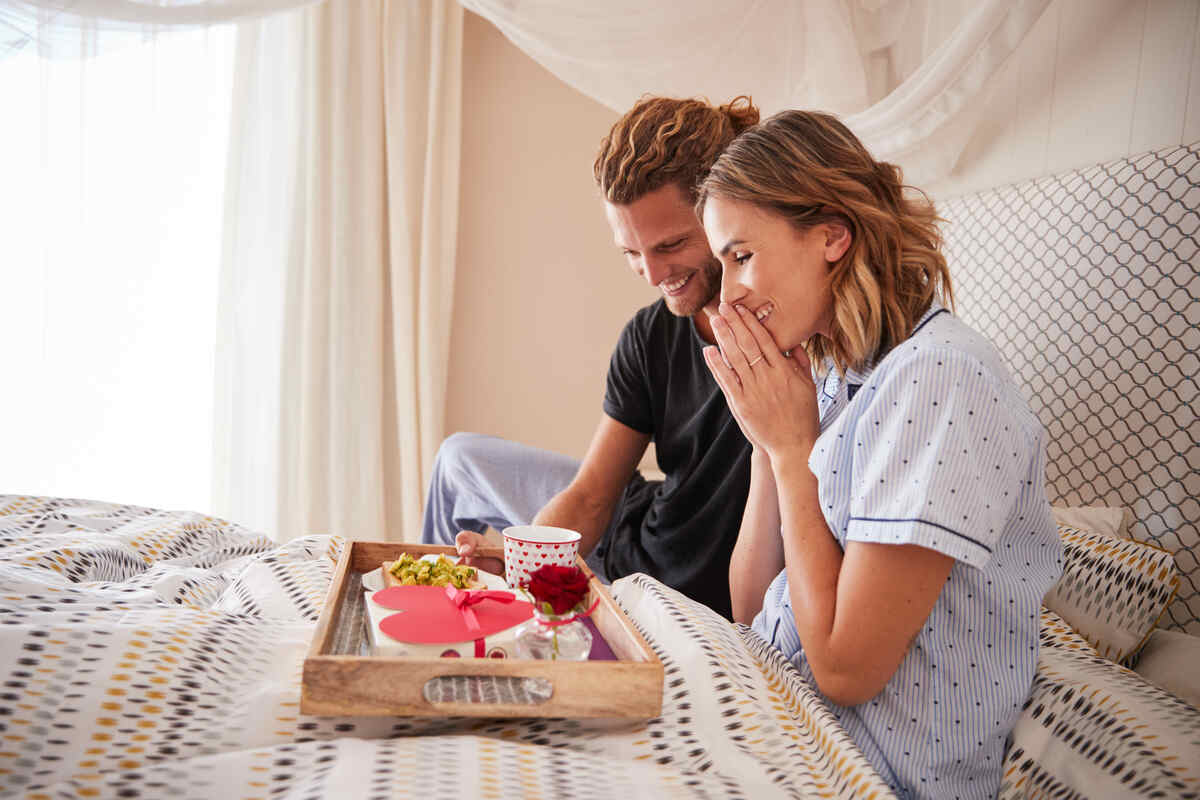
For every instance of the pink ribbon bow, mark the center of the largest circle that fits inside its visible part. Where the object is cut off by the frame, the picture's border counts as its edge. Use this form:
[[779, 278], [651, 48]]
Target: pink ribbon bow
[[463, 599]]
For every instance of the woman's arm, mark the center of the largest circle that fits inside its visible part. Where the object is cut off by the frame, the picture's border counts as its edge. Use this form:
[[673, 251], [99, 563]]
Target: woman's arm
[[857, 612], [758, 554]]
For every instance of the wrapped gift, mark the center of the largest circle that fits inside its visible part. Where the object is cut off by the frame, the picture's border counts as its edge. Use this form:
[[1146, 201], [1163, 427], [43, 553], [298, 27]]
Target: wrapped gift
[[433, 621]]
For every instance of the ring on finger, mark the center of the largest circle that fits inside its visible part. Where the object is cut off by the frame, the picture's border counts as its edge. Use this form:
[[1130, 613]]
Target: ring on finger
[[755, 361]]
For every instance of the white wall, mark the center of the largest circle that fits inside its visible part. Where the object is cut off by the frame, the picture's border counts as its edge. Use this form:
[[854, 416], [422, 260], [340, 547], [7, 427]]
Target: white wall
[[1093, 81]]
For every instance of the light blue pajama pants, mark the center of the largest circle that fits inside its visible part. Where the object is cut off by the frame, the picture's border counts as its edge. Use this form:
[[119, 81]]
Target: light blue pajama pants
[[480, 481]]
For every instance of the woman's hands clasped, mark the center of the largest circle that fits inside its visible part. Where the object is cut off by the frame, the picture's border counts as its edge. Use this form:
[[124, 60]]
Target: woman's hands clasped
[[771, 395]]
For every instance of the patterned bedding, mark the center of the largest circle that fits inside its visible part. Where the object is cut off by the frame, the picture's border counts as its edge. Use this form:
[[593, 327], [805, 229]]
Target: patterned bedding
[[147, 653], [151, 653]]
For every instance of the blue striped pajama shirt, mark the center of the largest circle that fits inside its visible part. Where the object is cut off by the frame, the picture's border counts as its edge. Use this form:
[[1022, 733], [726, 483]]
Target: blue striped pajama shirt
[[935, 446]]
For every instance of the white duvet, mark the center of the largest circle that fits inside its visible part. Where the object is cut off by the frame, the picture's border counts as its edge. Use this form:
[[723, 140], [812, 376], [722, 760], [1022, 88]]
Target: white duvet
[[158, 654]]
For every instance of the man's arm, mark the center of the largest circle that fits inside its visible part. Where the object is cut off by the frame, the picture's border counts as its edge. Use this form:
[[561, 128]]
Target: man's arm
[[587, 504]]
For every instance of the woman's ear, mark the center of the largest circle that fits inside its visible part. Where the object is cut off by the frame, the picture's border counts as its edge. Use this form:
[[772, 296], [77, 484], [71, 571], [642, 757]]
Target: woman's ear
[[837, 241]]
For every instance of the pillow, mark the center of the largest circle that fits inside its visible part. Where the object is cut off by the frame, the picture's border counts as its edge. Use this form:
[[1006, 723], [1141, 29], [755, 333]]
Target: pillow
[[1112, 591], [1171, 660], [1113, 520], [1055, 632], [1092, 728]]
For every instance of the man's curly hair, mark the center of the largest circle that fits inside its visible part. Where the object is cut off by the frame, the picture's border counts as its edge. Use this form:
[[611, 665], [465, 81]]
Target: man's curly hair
[[662, 140]]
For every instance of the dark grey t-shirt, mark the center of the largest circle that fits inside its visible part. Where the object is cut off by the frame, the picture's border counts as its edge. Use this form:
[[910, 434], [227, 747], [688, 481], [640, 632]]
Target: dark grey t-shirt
[[682, 529]]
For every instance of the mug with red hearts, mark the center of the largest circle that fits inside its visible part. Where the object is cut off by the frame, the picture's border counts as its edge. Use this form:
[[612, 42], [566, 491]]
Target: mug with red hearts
[[527, 547]]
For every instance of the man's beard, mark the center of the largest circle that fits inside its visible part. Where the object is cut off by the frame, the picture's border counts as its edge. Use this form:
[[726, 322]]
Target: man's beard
[[704, 285]]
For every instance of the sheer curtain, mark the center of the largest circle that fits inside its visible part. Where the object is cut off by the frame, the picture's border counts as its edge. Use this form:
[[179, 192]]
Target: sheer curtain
[[109, 244], [335, 239], [338, 267], [84, 28], [909, 76]]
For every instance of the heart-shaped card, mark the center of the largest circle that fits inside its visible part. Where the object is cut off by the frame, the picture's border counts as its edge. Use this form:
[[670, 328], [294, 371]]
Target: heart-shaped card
[[428, 615]]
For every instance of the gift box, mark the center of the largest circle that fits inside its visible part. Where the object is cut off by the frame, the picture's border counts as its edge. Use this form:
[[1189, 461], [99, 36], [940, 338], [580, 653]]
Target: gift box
[[442, 621]]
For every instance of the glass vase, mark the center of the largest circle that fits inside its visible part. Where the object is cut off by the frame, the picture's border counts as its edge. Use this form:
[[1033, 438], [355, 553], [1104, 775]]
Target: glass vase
[[551, 637]]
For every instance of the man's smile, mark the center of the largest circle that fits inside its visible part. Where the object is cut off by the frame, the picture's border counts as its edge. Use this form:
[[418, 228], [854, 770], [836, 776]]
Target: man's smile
[[675, 286]]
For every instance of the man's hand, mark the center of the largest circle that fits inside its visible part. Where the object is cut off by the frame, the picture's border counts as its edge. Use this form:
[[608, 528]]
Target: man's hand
[[466, 542]]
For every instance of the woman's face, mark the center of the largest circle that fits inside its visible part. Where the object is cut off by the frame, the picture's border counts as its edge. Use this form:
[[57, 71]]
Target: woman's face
[[780, 273]]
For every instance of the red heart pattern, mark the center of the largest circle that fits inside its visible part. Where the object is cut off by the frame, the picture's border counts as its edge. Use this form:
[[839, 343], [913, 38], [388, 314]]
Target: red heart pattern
[[522, 558]]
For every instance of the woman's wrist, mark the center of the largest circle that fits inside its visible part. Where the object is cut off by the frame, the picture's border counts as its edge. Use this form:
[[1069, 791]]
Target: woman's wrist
[[790, 456]]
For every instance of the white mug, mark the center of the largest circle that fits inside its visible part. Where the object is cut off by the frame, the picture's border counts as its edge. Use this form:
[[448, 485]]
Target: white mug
[[527, 547]]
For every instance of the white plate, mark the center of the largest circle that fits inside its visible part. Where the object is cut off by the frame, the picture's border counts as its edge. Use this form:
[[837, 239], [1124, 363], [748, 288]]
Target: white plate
[[373, 580]]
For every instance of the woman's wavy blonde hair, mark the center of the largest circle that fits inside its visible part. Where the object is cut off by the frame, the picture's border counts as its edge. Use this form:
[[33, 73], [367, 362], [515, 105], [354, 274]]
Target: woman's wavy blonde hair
[[809, 168], [663, 140]]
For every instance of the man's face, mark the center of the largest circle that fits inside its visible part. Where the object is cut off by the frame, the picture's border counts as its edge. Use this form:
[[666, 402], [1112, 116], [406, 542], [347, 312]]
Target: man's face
[[664, 242]]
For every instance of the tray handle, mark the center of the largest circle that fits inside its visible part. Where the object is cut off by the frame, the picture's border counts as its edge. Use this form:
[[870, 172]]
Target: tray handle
[[465, 693]]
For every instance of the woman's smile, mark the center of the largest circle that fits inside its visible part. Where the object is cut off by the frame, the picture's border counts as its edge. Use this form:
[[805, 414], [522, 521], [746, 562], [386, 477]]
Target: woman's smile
[[763, 255]]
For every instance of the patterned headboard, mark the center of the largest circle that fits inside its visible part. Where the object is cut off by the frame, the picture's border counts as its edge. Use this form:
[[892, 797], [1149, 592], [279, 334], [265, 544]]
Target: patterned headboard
[[1089, 283]]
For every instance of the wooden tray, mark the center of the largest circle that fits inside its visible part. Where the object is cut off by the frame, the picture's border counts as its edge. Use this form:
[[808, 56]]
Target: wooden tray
[[342, 678]]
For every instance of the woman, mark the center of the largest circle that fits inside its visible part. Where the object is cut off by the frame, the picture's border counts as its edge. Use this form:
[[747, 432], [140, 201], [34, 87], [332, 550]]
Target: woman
[[897, 541]]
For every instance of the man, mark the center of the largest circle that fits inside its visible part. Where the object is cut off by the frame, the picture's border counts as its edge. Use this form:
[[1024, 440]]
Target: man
[[682, 529]]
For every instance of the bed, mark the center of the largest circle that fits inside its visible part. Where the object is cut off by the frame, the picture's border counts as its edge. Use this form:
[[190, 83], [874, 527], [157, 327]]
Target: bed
[[154, 653]]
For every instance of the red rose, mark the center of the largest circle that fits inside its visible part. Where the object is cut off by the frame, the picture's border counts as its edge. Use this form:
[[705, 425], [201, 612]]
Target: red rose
[[562, 588]]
